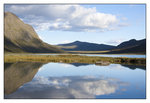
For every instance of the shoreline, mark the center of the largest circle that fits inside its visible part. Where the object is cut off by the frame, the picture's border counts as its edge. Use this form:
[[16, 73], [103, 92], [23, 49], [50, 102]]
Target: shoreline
[[69, 58], [68, 54], [74, 53]]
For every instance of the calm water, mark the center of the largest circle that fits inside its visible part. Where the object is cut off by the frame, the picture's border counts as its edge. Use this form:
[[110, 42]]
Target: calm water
[[115, 55], [104, 55], [59, 80]]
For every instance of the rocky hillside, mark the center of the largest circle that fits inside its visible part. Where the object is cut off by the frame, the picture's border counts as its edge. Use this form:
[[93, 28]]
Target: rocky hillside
[[21, 37]]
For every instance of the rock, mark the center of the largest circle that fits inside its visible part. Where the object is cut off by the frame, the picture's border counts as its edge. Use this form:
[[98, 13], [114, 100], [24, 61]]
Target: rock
[[102, 63]]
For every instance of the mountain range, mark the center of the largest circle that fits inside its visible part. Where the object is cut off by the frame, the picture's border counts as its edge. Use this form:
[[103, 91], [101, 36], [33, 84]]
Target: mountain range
[[85, 46], [21, 37], [131, 46]]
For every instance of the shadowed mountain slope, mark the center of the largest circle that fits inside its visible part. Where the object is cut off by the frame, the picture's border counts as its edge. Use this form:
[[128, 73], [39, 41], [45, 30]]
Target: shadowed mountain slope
[[21, 37], [131, 43], [131, 46], [85, 46]]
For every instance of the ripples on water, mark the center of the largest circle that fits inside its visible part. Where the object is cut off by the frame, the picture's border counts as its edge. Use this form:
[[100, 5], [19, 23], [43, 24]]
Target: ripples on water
[[59, 80]]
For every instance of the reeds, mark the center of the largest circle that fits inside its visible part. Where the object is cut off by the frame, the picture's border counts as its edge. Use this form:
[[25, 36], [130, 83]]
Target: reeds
[[72, 59]]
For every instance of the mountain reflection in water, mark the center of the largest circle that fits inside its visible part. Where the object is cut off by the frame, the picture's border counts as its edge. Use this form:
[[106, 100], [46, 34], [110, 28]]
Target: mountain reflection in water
[[16, 74], [129, 66], [76, 80]]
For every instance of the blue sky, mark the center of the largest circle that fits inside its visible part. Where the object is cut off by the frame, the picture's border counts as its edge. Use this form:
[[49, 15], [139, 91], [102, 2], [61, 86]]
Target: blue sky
[[109, 24]]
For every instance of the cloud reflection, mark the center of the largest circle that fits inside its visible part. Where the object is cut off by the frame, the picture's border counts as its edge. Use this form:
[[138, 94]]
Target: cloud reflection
[[67, 87]]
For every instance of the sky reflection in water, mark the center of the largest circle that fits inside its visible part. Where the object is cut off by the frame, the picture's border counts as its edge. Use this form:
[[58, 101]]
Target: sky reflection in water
[[59, 80]]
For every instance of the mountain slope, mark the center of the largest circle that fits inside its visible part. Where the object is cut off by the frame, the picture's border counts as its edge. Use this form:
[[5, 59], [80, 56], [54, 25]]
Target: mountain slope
[[131, 46], [21, 37], [139, 49], [131, 43], [85, 46]]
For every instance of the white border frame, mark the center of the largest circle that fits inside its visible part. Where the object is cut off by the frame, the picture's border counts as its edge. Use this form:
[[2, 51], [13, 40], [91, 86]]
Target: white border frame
[[2, 100]]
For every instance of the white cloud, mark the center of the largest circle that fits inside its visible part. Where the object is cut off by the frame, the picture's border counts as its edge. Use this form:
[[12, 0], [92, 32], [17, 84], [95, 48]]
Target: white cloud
[[65, 41], [65, 17], [115, 41], [68, 87], [117, 67], [66, 65]]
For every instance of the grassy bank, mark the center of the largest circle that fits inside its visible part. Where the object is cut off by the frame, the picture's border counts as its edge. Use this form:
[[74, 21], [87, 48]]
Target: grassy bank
[[72, 59]]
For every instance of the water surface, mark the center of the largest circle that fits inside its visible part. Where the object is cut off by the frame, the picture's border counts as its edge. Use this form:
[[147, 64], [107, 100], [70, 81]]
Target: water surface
[[104, 55], [116, 55], [76, 80]]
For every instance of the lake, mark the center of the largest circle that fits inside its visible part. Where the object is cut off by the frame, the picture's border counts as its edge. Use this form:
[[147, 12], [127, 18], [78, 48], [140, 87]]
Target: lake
[[76, 80], [116, 55], [103, 55]]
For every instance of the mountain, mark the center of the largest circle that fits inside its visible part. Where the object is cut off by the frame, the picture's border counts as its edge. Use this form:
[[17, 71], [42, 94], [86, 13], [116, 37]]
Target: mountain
[[133, 67], [131, 43], [131, 46], [21, 37], [79, 64], [85, 46], [17, 74]]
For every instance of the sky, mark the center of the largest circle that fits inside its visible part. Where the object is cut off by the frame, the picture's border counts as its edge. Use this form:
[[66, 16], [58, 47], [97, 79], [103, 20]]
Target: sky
[[97, 23]]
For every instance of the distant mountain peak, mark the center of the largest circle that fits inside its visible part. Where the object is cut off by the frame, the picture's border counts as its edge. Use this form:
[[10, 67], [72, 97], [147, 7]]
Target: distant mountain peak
[[77, 41], [85, 46], [133, 40]]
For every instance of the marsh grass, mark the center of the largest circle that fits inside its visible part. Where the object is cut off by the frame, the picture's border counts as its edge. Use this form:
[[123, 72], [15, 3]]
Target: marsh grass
[[72, 59]]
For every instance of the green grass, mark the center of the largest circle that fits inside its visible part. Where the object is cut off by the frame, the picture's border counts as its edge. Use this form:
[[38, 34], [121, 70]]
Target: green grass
[[72, 59]]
